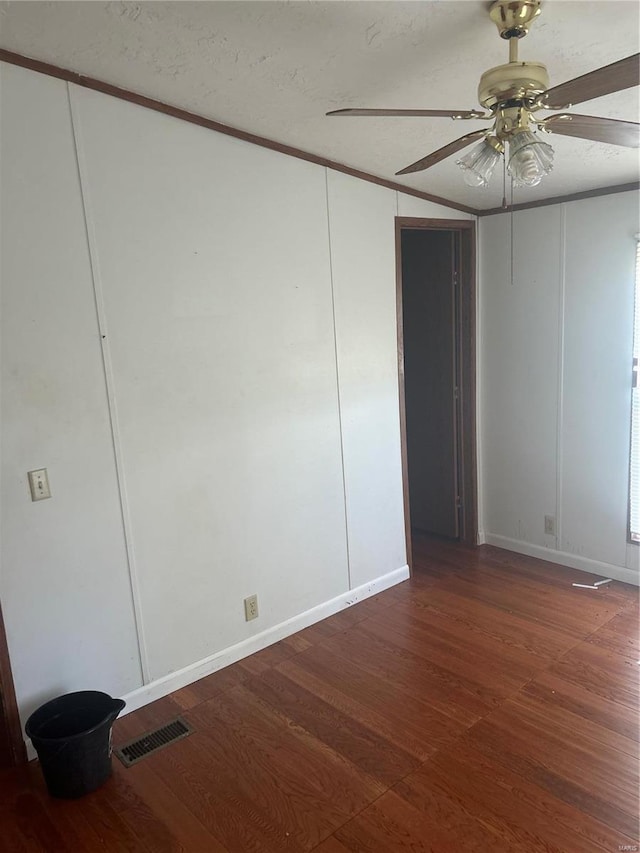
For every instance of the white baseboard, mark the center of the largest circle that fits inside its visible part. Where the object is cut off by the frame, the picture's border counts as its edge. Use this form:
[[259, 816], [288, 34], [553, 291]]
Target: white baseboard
[[564, 558], [481, 537], [182, 677]]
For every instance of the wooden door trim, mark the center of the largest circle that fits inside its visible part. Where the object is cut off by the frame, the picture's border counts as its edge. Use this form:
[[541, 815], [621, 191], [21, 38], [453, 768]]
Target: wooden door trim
[[10, 727], [469, 495]]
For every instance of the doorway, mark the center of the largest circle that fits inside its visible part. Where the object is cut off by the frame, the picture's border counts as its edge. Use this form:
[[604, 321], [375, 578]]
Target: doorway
[[435, 261]]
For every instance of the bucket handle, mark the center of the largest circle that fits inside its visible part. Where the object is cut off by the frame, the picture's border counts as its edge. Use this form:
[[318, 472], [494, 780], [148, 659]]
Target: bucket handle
[[118, 705]]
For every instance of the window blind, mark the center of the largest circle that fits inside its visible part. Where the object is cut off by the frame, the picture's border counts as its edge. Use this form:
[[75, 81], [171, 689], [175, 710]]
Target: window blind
[[634, 465]]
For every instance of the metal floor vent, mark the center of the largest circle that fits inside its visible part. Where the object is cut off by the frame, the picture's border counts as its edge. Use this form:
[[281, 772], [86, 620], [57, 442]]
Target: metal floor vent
[[137, 749]]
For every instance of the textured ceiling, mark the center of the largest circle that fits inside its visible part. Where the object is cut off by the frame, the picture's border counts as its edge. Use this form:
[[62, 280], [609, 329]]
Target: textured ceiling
[[275, 68]]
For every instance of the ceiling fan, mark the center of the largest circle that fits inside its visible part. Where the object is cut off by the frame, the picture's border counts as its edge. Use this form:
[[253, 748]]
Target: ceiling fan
[[514, 97]]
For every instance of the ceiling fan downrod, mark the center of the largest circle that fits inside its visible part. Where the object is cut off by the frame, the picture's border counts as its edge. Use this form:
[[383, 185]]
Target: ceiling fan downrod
[[513, 19], [515, 82]]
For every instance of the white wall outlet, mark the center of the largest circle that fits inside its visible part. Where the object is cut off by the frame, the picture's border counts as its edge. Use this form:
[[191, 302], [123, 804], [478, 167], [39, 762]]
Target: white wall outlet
[[550, 525], [39, 484], [251, 608]]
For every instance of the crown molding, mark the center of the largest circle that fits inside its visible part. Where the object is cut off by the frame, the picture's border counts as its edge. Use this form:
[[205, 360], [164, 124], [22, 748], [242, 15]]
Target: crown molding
[[561, 199], [194, 118]]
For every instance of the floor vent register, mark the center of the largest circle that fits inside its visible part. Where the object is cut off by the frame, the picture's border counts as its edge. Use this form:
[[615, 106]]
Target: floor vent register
[[135, 750]]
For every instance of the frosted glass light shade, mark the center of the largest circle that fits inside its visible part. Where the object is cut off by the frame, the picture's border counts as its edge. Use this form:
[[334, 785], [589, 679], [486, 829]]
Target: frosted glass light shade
[[478, 164], [530, 159]]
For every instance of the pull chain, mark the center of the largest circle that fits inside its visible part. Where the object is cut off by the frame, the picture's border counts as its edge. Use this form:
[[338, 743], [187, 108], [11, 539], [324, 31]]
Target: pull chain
[[504, 207], [504, 182], [511, 230]]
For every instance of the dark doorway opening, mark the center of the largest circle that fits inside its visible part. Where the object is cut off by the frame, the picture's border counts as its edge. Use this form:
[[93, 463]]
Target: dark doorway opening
[[436, 357]]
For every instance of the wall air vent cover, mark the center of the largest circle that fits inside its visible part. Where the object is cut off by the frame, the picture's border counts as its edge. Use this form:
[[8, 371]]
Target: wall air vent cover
[[135, 750]]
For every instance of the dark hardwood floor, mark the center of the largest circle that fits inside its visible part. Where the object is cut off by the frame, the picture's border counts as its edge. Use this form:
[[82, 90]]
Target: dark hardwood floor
[[486, 705]]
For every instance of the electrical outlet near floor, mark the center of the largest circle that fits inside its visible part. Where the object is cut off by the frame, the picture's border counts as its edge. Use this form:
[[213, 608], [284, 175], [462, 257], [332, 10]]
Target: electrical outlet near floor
[[550, 525], [251, 608]]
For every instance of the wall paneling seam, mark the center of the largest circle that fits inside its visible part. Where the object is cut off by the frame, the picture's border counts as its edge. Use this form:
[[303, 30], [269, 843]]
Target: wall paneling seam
[[560, 390], [479, 386], [339, 399], [109, 382]]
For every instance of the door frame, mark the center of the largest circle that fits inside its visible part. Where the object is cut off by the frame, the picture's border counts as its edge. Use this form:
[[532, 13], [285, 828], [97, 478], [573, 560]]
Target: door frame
[[466, 335], [11, 740]]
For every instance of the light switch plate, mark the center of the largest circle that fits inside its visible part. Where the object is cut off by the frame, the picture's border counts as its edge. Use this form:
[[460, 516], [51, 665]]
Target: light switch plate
[[39, 484]]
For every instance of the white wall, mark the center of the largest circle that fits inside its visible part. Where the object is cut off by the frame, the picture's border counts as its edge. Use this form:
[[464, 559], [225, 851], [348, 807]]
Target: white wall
[[363, 265], [220, 419], [214, 274], [409, 205], [65, 585], [555, 381]]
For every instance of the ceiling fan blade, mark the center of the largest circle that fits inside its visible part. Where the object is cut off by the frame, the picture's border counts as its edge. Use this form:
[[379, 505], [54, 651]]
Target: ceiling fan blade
[[608, 130], [603, 81], [432, 113], [441, 153]]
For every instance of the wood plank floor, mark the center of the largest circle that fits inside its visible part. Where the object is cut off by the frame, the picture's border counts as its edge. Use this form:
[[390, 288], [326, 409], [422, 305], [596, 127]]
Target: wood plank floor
[[486, 705]]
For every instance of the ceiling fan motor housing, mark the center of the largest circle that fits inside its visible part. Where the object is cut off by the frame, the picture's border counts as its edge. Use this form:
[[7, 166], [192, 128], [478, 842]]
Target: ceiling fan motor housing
[[521, 81]]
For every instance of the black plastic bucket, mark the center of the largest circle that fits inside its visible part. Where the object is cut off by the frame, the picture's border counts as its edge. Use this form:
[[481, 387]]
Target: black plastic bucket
[[72, 736]]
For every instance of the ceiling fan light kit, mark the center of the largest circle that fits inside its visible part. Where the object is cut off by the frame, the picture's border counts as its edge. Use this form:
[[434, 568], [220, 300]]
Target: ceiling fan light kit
[[530, 159], [514, 96], [479, 163]]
